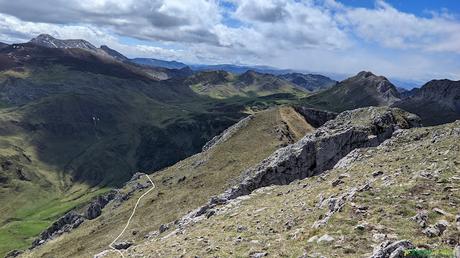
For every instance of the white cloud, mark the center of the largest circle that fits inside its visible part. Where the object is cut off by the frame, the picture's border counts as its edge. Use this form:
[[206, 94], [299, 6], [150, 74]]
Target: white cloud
[[391, 28], [292, 24], [324, 36]]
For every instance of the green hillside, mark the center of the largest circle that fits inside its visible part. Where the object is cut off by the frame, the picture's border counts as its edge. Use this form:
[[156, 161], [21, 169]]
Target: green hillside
[[186, 185], [74, 124], [221, 85]]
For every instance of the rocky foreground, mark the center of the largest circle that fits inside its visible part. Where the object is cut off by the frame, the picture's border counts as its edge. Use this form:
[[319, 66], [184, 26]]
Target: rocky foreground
[[402, 196]]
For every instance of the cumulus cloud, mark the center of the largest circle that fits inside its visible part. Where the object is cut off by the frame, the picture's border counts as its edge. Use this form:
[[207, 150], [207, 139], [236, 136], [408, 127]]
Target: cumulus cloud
[[292, 24], [169, 20], [392, 28], [318, 35]]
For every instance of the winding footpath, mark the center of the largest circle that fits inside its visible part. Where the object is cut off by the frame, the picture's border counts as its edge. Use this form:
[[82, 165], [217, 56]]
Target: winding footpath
[[130, 217]]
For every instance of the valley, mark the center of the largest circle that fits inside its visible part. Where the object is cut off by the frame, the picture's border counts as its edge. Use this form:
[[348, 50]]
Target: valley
[[247, 161]]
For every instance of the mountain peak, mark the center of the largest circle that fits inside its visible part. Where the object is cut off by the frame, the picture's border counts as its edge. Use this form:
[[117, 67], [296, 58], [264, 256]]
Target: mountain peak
[[365, 74], [46, 40]]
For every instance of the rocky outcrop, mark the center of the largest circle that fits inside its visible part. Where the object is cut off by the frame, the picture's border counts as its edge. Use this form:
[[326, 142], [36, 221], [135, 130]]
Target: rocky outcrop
[[317, 152], [315, 117], [74, 218], [390, 249], [64, 224], [94, 209]]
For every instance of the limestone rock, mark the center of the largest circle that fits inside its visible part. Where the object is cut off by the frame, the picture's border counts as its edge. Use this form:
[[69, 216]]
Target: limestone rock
[[389, 249], [64, 224], [436, 229], [325, 239], [317, 152], [316, 117], [420, 218], [122, 245]]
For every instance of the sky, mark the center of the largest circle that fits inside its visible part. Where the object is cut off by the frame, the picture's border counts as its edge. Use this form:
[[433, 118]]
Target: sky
[[411, 40]]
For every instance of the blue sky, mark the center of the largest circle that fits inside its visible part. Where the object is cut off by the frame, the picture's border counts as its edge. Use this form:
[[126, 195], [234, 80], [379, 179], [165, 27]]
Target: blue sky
[[417, 7], [411, 40]]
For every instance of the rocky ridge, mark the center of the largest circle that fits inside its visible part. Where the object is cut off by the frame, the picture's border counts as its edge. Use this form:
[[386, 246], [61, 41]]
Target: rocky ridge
[[441, 97], [362, 90], [398, 198], [48, 41], [315, 153]]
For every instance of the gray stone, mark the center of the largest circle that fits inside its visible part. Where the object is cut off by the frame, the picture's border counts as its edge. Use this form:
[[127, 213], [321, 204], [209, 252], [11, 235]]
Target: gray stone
[[64, 224], [377, 173], [122, 245], [420, 218], [389, 249], [258, 255], [439, 211], [436, 229], [14, 253], [325, 239]]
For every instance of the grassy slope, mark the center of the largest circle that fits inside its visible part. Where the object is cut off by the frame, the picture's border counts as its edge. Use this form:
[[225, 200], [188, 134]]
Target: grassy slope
[[206, 174], [278, 220], [339, 98], [250, 84], [69, 153], [46, 114]]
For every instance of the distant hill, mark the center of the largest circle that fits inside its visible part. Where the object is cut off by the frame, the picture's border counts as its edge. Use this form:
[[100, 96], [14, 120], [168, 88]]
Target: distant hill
[[361, 90], [222, 84], [237, 69], [159, 63], [311, 82], [48, 41], [115, 54], [436, 102]]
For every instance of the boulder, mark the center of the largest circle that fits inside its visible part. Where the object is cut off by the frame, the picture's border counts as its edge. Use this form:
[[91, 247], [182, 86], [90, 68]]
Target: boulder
[[122, 245], [325, 239], [389, 249]]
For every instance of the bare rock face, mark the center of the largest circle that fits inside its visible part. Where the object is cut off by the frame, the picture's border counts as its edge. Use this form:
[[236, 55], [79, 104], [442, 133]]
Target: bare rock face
[[64, 224], [316, 117], [318, 152]]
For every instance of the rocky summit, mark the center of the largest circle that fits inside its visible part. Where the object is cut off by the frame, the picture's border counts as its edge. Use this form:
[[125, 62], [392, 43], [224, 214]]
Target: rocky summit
[[363, 89], [48, 41]]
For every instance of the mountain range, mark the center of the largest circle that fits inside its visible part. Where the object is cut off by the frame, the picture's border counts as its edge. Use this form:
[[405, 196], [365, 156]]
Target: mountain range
[[230, 153]]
